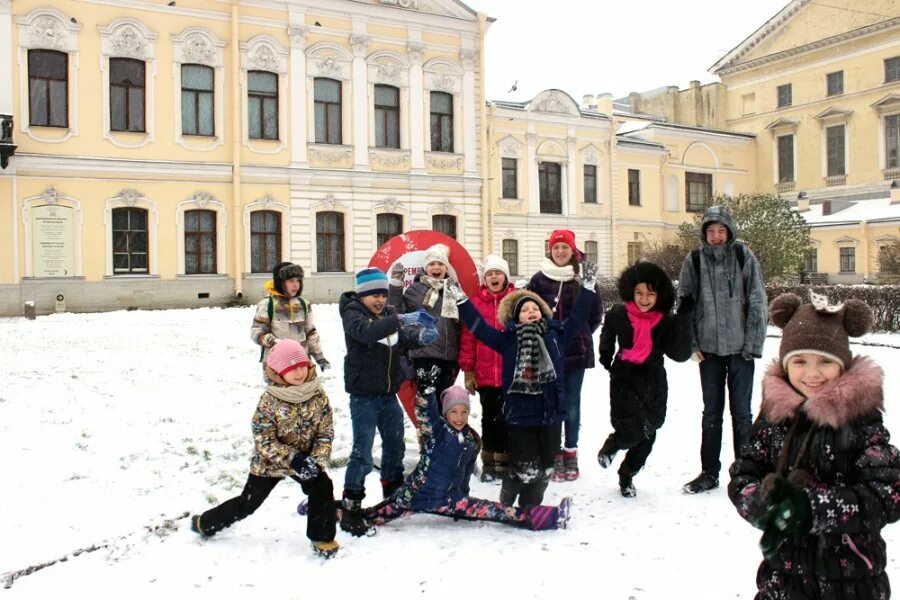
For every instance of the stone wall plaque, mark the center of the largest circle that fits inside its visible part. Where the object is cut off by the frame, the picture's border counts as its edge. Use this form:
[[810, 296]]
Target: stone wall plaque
[[53, 240]]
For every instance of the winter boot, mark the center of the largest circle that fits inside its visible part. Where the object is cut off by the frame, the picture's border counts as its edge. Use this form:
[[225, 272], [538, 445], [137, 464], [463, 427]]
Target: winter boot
[[626, 486], [488, 466], [389, 487], [501, 465], [607, 453], [570, 461], [704, 482], [351, 514], [562, 520], [541, 518], [325, 549], [559, 467], [509, 490], [195, 527]]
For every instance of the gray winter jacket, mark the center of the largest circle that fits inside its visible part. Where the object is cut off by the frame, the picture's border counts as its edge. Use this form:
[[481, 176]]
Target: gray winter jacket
[[730, 314], [446, 346]]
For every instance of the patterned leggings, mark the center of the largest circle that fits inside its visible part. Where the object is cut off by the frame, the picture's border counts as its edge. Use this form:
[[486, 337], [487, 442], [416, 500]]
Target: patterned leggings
[[470, 509]]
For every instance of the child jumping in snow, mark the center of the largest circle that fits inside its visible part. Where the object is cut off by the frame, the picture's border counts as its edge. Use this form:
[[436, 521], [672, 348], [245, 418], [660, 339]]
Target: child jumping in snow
[[818, 474], [292, 434], [638, 390]]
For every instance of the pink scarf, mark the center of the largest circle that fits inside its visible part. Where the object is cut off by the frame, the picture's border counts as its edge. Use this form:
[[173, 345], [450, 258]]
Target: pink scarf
[[642, 323]]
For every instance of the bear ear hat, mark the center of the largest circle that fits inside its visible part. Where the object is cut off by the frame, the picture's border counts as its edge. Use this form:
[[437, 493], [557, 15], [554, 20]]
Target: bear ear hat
[[858, 318], [783, 308]]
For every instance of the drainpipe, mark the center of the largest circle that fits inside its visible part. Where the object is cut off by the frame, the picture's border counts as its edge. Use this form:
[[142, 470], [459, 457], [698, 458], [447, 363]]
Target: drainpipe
[[486, 213], [236, 131]]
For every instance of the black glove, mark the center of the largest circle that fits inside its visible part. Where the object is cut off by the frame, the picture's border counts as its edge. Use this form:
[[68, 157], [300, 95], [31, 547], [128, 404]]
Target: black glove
[[305, 467], [788, 514], [323, 363], [425, 379], [606, 359], [685, 305], [352, 520], [589, 275]]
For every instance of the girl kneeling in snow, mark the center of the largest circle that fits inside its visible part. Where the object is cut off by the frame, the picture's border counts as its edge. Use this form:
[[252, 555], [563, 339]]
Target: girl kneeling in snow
[[440, 482]]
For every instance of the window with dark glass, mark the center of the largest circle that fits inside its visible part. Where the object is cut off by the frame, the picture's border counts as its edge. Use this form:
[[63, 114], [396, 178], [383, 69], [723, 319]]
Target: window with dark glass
[[510, 250], [388, 225], [387, 116], [892, 69], [835, 150], [262, 105], [327, 108], [812, 261], [590, 184], [892, 141], [835, 83], [634, 252], [549, 184], [785, 158], [698, 191], [441, 122], [784, 95], [197, 100], [265, 240], [510, 177], [199, 242], [848, 260], [634, 187], [126, 94], [48, 88], [129, 240], [445, 224], [329, 242], [590, 251]]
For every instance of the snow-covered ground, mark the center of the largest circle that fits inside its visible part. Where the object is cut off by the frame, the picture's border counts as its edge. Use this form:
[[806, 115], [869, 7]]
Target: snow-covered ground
[[113, 426]]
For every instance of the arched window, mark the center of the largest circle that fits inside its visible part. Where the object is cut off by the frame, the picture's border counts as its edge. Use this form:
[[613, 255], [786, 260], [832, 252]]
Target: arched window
[[445, 224]]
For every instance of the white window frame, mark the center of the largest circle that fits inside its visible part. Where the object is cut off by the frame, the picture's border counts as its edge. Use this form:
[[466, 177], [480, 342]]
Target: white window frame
[[199, 46], [203, 201], [264, 53], [128, 198]]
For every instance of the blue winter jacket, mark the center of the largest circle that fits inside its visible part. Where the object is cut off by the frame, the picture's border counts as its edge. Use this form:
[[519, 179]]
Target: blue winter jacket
[[531, 410], [448, 459]]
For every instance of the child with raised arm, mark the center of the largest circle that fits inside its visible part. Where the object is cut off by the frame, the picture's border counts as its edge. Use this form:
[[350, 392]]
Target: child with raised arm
[[818, 474], [645, 333]]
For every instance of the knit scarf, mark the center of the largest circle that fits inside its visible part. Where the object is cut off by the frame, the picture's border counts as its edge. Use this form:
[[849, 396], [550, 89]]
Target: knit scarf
[[435, 289], [642, 323], [297, 394], [533, 365], [555, 272]]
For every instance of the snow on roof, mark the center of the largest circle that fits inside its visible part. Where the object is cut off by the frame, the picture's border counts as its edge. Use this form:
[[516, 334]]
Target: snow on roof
[[628, 126], [876, 209]]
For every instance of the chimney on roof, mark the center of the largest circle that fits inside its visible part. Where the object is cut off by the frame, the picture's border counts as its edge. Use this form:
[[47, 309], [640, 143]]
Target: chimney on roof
[[895, 191], [604, 103], [587, 101]]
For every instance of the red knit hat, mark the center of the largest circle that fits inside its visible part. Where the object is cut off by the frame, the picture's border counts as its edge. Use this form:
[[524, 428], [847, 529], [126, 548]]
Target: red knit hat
[[286, 355], [562, 235]]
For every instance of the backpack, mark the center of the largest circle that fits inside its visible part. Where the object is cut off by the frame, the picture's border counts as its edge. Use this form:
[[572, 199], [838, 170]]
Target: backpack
[[303, 302]]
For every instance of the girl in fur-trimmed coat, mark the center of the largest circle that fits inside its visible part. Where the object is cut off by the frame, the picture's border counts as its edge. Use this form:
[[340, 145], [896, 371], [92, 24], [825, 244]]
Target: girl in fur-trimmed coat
[[818, 474], [645, 333]]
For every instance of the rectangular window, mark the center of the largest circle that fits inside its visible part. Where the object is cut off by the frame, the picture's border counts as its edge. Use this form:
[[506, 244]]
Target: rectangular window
[[262, 105], [834, 83], [784, 95], [265, 240], [511, 255], [126, 94], [634, 187], [892, 141], [197, 100], [48, 88], [848, 260], [812, 261], [129, 240], [698, 191], [785, 159], [199, 242], [329, 242], [445, 224], [590, 184], [634, 252], [388, 225], [892, 69], [510, 177], [387, 116], [835, 150], [327, 108], [550, 191], [590, 251], [441, 122]]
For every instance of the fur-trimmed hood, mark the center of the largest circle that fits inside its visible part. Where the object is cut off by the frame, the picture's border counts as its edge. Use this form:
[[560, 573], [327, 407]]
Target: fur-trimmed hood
[[505, 310], [857, 392]]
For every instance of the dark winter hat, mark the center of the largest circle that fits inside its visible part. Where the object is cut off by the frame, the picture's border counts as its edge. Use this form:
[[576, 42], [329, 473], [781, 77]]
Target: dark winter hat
[[284, 271], [452, 396], [818, 327], [717, 214], [291, 271], [286, 355], [371, 281]]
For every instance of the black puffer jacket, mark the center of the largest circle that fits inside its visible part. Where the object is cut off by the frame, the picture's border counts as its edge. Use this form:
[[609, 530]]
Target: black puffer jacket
[[375, 344], [638, 393], [853, 487]]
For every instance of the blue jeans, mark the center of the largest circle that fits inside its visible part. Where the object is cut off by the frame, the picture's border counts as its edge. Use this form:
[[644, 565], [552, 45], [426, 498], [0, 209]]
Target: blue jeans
[[574, 380], [715, 372], [366, 414]]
